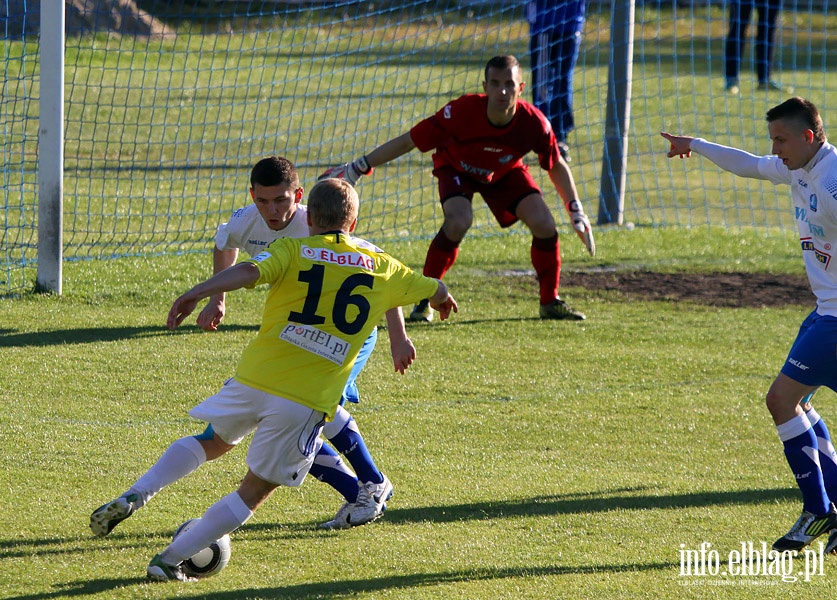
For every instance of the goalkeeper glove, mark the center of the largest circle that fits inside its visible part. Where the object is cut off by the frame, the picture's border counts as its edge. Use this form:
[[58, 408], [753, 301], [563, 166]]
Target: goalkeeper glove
[[350, 172], [581, 224]]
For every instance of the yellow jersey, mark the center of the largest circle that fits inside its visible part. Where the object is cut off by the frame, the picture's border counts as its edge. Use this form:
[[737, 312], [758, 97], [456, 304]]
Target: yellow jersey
[[327, 294]]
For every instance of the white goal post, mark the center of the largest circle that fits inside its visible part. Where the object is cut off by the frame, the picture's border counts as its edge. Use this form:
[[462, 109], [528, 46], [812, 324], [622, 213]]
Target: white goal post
[[51, 149]]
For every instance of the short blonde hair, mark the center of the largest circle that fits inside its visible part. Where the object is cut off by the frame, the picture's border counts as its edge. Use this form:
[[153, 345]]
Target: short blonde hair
[[333, 204]]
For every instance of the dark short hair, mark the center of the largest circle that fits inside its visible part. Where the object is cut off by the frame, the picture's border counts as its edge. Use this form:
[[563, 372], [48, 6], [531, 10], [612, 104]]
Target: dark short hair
[[800, 111], [333, 204], [507, 61], [273, 170]]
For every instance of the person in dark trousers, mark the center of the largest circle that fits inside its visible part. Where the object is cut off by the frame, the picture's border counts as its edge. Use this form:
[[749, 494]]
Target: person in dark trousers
[[740, 12], [555, 38]]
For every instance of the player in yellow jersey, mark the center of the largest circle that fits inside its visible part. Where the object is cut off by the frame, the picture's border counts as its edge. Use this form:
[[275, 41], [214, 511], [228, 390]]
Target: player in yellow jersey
[[276, 212], [327, 293]]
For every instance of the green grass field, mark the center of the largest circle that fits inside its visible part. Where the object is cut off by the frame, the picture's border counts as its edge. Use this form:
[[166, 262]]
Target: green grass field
[[530, 459]]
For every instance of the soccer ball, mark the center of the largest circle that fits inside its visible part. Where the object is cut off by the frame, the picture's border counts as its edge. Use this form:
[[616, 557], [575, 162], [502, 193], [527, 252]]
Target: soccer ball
[[209, 561]]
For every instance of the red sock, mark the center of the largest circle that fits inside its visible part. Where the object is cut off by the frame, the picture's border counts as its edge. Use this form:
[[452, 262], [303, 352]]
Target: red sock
[[546, 258], [441, 255]]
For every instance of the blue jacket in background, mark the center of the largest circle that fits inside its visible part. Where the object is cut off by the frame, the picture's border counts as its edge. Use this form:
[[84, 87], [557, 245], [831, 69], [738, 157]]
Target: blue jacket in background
[[555, 15]]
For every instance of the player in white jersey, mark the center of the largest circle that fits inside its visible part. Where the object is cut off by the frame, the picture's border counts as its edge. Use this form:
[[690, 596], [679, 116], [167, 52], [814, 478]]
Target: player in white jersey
[[276, 212], [327, 293], [803, 159]]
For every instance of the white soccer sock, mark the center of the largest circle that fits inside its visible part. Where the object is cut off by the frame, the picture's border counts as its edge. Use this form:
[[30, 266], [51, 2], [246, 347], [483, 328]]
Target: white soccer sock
[[183, 457], [225, 516]]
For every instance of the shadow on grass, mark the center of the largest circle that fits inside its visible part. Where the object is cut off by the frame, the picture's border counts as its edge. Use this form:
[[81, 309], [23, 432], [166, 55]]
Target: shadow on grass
[[12, 338], [585, 503], [577, 503], [344, 588], [560, 504]]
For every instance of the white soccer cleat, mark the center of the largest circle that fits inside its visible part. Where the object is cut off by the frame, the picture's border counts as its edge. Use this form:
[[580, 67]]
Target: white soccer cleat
[[371, 501], [341, 520], [370, 505], [807, 528]]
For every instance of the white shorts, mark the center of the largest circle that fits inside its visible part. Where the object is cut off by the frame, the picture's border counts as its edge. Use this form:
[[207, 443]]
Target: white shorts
[[287, 433]]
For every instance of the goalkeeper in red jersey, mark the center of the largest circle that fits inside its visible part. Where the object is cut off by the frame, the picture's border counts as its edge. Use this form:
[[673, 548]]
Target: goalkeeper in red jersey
[[479, 142]]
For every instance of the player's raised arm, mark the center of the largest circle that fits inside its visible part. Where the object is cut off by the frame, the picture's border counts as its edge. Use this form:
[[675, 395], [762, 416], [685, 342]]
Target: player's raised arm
[[736, 161], [364, 165], [234, 278]]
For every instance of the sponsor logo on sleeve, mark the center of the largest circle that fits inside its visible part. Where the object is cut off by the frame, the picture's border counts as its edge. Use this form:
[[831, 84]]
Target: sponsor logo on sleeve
[[261, 256]]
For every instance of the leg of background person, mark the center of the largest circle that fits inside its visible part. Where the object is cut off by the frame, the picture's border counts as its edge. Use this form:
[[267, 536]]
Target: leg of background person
[[545, 249], [441, 255], [539, 58], [768, 14], [444, 249], [739, 16], [546, 259], [566, 57]]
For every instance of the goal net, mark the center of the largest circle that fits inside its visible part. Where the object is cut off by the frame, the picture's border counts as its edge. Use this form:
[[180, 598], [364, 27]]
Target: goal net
[[167, 110]]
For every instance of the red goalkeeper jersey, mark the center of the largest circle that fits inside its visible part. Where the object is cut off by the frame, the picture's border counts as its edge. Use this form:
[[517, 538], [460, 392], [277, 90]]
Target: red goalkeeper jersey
[[464, 138]]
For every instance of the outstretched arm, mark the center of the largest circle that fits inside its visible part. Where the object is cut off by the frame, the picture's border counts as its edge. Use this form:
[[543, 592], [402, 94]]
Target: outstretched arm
[[364, 165], [738, 162], [403, 350], [389, 151], [239, 276]]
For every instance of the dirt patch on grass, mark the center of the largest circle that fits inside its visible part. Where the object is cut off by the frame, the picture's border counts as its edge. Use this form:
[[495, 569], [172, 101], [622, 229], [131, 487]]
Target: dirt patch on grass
[[712, 289]]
